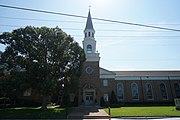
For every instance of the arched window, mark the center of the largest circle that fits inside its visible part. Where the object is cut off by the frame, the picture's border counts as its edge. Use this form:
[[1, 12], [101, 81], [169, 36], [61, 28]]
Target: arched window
[[89, 49], [177, 90], [120, 91], [134, 90], [85, 34], [163, 91], [89, 34], [149, 92], [92, 34]]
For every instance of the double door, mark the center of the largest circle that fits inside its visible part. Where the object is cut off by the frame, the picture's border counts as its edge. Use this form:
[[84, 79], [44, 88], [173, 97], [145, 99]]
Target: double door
[[89, 98]]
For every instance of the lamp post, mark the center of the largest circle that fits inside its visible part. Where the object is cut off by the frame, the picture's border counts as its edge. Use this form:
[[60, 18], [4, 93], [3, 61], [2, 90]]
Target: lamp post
[[64, 95]]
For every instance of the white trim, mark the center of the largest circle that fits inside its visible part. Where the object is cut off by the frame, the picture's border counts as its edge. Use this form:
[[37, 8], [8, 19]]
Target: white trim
[[146, 78], [174, 78], [92, 57], [107, 76], [155, 78], [126, 78]]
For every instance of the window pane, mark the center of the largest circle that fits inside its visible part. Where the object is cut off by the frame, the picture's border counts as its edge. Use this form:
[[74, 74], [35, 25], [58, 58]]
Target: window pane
[[89, 48], [86, 34], [105, 82], [163, 91], [106, 98], [177, 90], [134, 90], [149, 91], [120, 92]]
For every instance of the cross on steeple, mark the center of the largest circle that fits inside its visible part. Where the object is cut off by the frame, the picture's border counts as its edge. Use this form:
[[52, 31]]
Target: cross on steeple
[[89, 7]]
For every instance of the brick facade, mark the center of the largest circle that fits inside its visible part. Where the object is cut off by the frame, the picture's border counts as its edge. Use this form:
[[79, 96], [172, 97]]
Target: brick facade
[[129, 86]]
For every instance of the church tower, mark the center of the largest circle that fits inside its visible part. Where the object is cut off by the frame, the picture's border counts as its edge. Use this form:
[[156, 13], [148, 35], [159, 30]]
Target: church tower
[[89, 43], [89, 92]]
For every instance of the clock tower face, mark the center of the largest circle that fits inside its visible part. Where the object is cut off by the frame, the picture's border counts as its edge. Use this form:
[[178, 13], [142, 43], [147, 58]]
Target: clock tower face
[[89, 70]]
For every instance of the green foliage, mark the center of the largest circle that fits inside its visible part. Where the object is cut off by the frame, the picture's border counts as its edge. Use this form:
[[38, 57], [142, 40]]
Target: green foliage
[[40, 58]]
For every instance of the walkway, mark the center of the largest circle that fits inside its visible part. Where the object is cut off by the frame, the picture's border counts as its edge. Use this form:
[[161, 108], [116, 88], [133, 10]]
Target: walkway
[[88, 112]]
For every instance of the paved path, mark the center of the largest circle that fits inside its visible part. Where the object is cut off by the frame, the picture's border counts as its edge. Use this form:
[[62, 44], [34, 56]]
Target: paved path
[[88, 112]]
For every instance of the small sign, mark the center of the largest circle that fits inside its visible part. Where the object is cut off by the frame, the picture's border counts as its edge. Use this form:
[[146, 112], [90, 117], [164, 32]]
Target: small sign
[[177, 103]]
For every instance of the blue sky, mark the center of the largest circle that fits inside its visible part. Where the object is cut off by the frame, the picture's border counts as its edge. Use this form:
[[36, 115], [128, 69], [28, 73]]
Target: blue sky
[[121, 47]]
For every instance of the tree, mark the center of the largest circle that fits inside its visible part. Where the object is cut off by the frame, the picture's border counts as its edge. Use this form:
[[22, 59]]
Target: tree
[[42, 58]]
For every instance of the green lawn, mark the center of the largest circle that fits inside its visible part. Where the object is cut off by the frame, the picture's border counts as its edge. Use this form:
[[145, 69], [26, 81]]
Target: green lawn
[[144, 111], [33, 113]]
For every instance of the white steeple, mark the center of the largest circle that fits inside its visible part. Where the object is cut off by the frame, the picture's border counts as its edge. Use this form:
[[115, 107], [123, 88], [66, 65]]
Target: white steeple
[[89, 43]]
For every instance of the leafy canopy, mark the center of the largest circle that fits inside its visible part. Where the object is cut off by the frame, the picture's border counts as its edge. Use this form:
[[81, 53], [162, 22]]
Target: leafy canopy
[[41, 57]]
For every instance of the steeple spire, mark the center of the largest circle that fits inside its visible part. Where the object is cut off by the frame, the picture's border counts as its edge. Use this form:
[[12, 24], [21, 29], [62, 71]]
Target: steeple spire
[[89, 25], [89, 42]]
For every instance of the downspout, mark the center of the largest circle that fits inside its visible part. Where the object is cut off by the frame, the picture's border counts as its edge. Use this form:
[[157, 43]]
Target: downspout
[[170, 87], [142, 90]]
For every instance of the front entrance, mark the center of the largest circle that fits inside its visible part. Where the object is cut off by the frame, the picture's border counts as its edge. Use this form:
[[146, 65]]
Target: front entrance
[[89, 95], [89, 98]]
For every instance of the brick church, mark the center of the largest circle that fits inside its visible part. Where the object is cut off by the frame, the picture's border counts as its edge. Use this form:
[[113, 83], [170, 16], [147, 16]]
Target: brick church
[[129, 86]]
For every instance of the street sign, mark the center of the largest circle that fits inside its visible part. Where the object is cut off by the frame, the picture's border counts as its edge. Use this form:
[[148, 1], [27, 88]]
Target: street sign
[[177, 103]]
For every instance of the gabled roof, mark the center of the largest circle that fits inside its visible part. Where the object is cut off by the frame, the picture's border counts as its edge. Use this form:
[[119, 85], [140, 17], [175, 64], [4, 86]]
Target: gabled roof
[[89, 24], [106, 72]]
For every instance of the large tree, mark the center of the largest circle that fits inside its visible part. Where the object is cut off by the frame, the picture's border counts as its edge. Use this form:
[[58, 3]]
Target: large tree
[[42, 58]]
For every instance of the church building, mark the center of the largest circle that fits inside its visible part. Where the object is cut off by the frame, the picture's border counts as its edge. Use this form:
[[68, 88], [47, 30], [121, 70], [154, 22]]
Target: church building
[[129, 86]]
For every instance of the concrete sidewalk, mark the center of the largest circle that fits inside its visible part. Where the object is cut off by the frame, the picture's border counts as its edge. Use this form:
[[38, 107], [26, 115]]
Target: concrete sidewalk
[[88, 112]]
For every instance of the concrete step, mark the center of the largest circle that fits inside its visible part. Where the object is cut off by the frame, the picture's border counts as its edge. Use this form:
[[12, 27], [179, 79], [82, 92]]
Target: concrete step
[[88, 113]]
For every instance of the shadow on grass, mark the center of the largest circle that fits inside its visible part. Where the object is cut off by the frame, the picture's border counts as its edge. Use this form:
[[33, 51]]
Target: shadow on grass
[[33, 113]]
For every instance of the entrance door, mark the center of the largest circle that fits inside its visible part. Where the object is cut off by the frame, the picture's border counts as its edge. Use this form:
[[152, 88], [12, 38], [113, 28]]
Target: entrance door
[[89, 98]]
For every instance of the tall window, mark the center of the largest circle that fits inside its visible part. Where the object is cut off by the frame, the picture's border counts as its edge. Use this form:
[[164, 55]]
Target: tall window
[[120, 91], [105, 82], [134, 90], [177, 90], [89, 34], [89, 49], [85, 34], [149, 92], [163, 91], [106, 98], [92, 34]]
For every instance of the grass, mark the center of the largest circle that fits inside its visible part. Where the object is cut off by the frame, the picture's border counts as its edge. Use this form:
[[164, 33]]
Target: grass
[[144, 111], [33, 113]]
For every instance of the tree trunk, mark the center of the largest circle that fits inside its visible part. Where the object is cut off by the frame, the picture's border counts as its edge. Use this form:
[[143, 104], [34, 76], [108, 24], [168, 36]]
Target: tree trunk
[[44, 102]]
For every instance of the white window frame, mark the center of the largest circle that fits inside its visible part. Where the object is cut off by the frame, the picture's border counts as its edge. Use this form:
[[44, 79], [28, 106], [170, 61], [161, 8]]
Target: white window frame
[[106, 97], [105, 83]]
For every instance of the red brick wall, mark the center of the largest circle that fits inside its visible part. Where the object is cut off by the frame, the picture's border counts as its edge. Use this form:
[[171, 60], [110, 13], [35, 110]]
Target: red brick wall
[[112, 85]]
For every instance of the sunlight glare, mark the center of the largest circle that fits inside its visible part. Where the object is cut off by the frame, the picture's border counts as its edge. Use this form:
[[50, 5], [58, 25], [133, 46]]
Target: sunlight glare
[[100, 3]]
